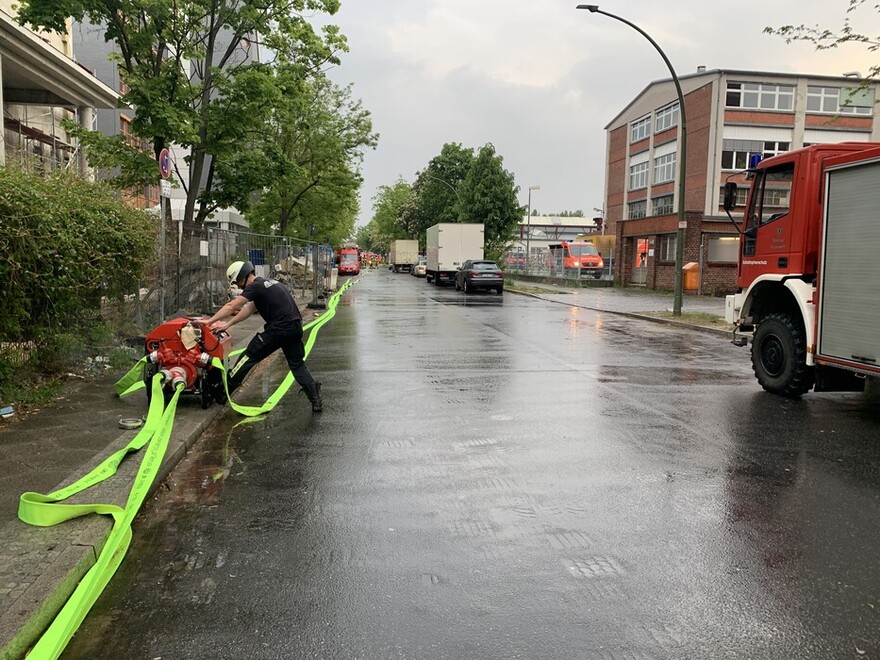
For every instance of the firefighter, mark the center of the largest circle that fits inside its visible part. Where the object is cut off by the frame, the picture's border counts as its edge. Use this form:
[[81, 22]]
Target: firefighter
[[283, 329]]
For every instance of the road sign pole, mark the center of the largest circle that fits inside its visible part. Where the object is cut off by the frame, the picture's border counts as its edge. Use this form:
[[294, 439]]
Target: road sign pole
[[162, 212], [164, 192]]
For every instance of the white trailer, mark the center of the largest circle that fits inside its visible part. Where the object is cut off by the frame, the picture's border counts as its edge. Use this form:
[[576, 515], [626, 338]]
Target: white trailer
[[449, 245], [404, 255]]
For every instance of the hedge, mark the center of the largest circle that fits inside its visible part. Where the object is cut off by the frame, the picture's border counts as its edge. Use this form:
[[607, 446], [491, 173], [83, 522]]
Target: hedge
[[66, 243]]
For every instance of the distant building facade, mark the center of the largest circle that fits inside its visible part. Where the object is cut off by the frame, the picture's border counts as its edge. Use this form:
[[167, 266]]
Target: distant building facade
[[93, 52], [41, 85], [731, 115]]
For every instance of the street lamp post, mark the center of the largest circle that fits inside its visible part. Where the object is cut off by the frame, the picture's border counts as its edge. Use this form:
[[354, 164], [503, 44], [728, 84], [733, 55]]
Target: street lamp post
[[447, 184], [682, 223], [529, 230]]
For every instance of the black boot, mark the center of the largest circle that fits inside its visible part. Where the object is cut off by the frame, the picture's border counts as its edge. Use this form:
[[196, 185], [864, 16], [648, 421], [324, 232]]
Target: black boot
[[313, 392]]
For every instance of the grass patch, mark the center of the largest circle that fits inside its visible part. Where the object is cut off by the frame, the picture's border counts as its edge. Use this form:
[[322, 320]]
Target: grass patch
[[519, 288], [694, 318], [32, 393]]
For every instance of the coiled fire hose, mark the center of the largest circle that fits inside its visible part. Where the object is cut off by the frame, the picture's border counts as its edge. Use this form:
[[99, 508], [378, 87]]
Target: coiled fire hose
[[47, 510]]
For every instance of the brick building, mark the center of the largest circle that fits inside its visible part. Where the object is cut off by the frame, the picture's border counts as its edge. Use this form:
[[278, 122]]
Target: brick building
[[730, 116]]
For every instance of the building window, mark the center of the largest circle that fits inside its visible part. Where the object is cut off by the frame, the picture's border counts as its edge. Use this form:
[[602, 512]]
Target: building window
[[636, 210], [663, 205], [735, 154], [667, 247], [777, 199], [666, 117], [639, 129], [760, 96], [638, 176], [723, 249], [772, 148], [835, 100], [664, 168], [742, 195]]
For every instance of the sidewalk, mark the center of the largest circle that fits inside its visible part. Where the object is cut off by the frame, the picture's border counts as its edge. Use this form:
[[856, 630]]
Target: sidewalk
[[55, 446], [40, 567], [635, 302]]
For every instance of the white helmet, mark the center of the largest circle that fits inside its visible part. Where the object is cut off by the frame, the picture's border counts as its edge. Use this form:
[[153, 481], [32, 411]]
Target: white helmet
[[238, 271]]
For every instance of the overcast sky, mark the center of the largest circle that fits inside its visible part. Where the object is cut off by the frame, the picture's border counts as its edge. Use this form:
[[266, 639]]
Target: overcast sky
[[540, 80]]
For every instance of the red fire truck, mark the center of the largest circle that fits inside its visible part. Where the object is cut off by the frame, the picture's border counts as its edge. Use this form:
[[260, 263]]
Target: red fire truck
[[348, 260], [808, 278], [575, 259]]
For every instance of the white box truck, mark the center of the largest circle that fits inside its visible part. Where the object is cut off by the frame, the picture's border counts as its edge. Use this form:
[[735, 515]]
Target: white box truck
[[449, 245], [404, 255]]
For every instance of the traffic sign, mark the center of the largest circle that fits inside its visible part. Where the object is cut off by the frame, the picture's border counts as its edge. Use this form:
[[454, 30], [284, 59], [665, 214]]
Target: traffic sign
[[164, 163]]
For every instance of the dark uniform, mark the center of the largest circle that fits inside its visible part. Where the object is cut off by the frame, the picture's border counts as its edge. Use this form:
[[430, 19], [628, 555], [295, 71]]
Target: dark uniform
[[283, 330]]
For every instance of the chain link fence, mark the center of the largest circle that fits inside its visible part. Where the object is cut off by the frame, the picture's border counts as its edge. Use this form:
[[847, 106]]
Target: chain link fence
[[545, 264], [195, 282]]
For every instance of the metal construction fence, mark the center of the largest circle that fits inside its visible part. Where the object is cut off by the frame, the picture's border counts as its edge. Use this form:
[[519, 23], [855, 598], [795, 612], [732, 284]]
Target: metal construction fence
[[193, 279], [543, 264]]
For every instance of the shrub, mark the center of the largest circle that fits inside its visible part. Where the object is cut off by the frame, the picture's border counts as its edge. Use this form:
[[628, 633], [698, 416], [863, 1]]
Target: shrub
[[66, 243]]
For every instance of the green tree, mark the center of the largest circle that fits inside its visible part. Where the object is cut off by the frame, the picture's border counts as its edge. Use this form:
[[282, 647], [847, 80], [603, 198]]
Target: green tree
[[824, 39], [183, 59], [436, 188], [306, 162], [488, 195], [389, 205]]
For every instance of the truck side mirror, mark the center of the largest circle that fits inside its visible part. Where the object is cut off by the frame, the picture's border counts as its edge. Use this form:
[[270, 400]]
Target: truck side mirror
[[729, 196]]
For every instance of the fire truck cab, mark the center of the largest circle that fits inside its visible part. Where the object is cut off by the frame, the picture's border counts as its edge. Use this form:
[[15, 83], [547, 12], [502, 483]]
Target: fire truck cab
[[802, 207]]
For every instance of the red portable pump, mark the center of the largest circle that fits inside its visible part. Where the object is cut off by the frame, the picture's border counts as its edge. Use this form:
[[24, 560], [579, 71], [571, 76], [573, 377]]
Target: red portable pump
[[182, 350]]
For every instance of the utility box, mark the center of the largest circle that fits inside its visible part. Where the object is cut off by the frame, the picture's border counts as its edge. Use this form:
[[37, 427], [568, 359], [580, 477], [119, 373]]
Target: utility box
[[691, 276]]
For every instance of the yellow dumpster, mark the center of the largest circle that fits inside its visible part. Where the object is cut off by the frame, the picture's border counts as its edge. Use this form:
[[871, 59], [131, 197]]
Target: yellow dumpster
[[691, 276]]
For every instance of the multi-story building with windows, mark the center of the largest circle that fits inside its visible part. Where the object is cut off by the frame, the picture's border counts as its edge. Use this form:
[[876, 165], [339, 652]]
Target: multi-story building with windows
[[41, 85], [731, 115]]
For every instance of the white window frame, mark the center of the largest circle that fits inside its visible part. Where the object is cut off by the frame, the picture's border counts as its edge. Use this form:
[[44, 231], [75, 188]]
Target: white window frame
[[640, 129], [641, 204], [667, 247], [742, 196], [638, 175], [742, 150], [666, 118], [664, 168], [760, 96], [668, 204], [828, 100]]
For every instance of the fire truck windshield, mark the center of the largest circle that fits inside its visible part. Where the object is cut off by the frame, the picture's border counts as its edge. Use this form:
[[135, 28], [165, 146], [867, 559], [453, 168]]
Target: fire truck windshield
[[770, 200], [581, 250]]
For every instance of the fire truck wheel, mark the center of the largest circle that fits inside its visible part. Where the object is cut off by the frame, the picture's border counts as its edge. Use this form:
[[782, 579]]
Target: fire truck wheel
[[779, 356]]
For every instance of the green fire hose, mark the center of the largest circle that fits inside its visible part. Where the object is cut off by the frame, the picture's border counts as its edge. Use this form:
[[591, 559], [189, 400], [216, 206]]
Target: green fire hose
[[48, 510]]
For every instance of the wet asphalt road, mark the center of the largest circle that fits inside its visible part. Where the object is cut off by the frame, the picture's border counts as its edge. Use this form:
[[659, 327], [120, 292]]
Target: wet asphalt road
[[503, 477]]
